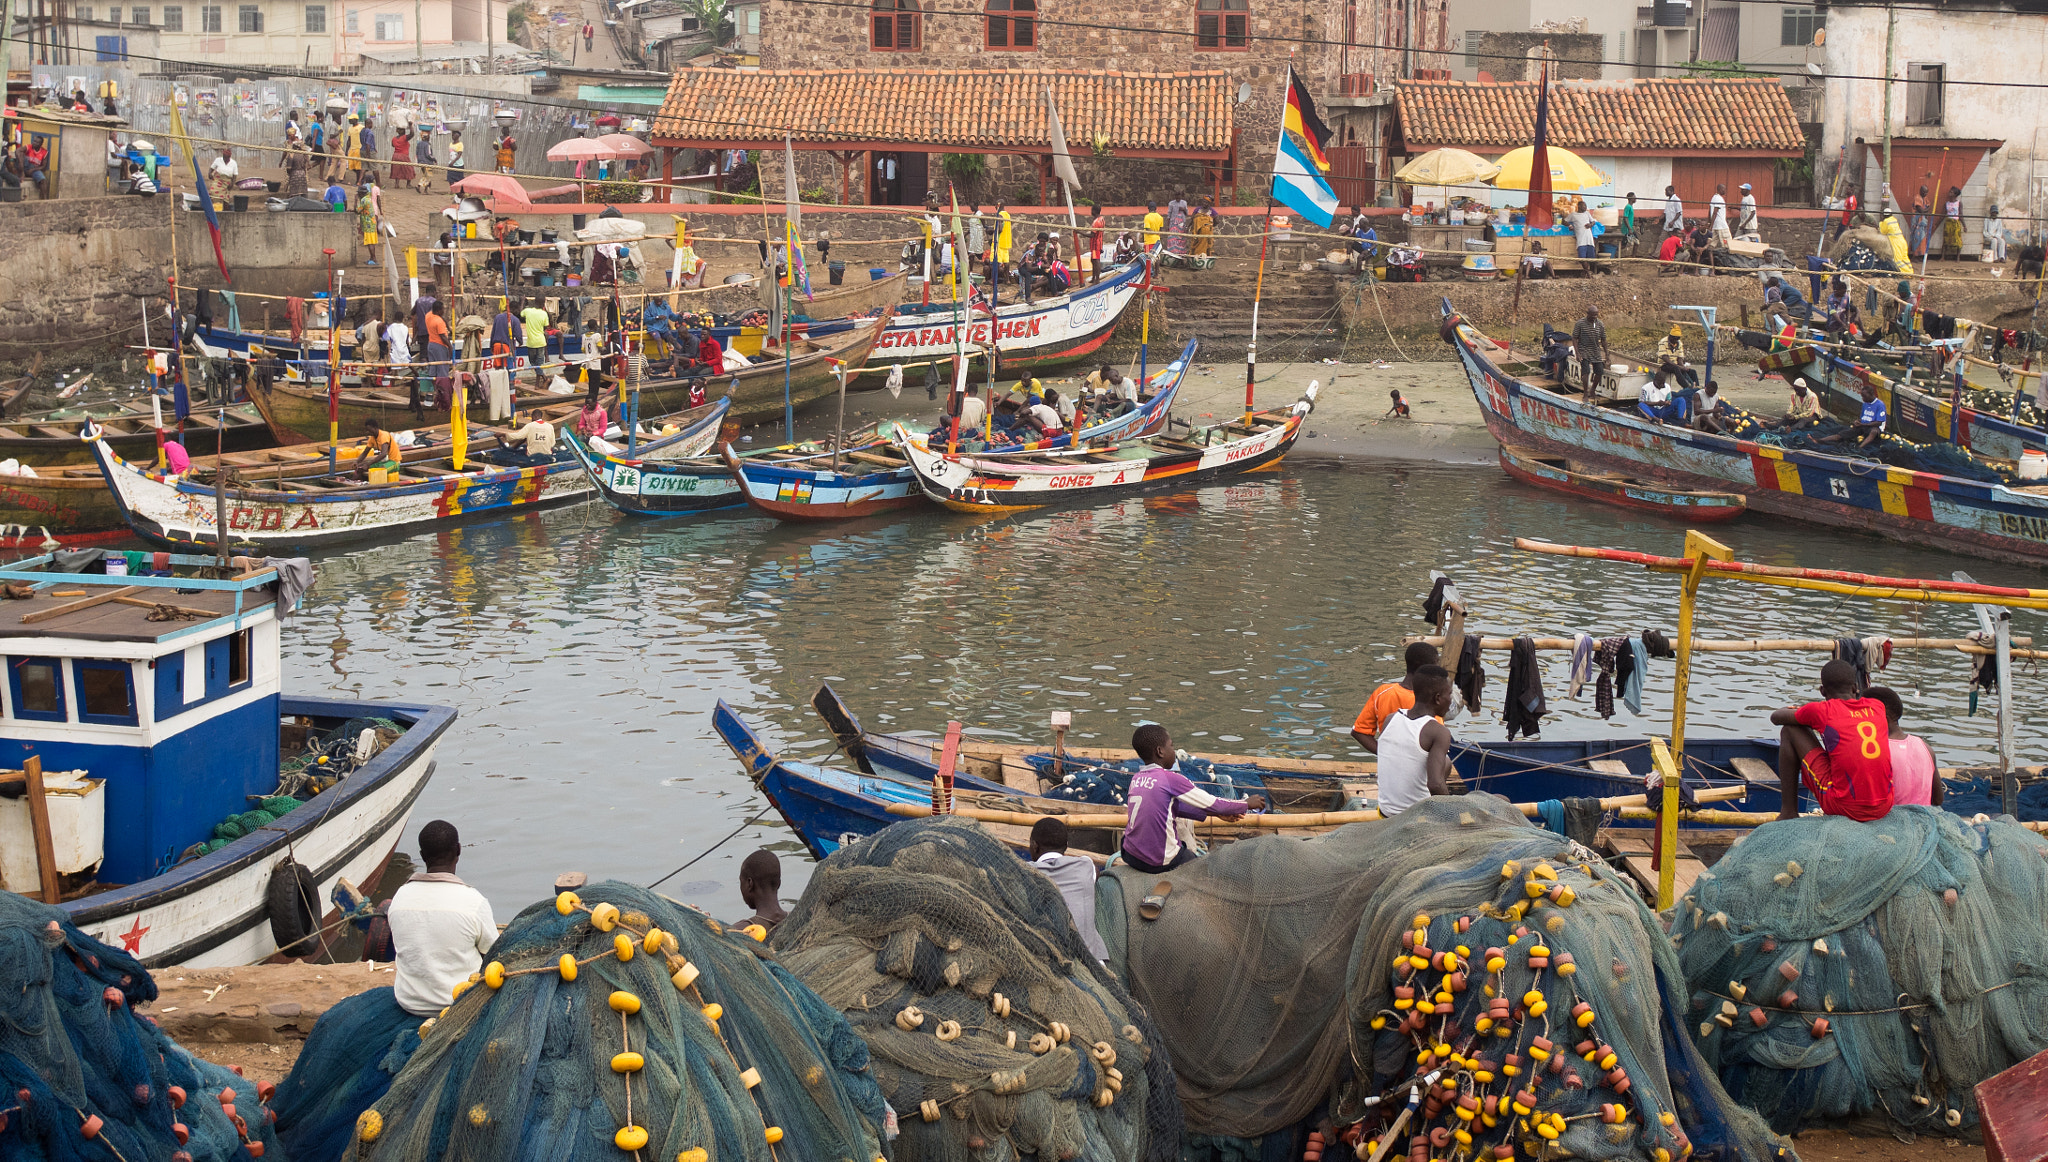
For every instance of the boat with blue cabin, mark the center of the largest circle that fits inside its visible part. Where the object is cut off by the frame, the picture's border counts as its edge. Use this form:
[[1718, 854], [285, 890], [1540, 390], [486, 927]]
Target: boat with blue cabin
[[155, 780]]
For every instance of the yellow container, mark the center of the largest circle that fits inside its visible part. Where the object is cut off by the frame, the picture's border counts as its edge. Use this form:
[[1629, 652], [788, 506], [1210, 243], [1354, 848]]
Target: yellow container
[[380, 475]]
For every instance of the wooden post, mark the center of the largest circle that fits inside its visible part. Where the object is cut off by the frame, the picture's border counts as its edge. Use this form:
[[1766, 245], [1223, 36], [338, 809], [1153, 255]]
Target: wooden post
[[942, 781], [39, 823], [1700, 548], [1044, 164], [1667, 821], [1061, 720], [867, 169]]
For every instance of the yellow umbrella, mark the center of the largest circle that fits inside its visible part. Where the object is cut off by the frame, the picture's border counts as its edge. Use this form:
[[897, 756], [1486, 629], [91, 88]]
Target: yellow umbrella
[[1568, 171], [1446, 167]]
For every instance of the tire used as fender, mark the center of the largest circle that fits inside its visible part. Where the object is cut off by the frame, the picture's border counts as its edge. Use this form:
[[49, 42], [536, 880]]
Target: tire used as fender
[[293, 902]]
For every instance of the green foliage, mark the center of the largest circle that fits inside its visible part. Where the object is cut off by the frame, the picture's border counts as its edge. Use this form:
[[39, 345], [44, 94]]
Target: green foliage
[[516, 18], [963, 167], [1716, 69], [816, 195], [1249, 195], [628, 192], [714, 16]]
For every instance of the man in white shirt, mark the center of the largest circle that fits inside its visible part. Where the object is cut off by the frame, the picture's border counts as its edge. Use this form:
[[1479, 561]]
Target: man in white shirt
[[1717, 215], [1674, 211], [537, 435], [441, 928], [1745, 221], [1074, 875], [398, 342], [1045, 419]]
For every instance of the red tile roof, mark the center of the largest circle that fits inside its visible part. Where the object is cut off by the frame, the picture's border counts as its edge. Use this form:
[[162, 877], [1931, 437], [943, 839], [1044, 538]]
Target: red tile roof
[[963, 109], [1660, 113]]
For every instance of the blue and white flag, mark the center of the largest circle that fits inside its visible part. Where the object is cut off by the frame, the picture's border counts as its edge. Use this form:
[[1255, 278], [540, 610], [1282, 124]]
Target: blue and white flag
[[1298, 186]]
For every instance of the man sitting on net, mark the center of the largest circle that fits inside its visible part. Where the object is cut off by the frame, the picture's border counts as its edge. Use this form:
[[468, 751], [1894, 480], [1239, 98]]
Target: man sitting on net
[[1073, 875], [1840, 747], [1161, 796]]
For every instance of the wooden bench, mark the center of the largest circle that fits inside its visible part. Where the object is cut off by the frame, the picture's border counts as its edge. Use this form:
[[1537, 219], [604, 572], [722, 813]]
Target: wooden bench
[[1635, 856]]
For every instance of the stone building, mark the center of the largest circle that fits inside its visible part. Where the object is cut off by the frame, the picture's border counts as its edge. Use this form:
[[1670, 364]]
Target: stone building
[[1249, 42]]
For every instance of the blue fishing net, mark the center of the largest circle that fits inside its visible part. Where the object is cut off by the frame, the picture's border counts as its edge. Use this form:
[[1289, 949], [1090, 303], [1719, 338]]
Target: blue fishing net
[[348, 1063], [1284, 975], [1108, 783], [995, 1034], [74, 1056], [1976, 796], [726, 1052], [1840, 969]]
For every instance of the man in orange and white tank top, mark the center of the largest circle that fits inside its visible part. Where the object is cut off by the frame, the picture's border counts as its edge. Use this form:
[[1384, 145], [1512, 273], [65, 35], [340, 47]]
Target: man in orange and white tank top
[[1415, 746], [1914, 775]]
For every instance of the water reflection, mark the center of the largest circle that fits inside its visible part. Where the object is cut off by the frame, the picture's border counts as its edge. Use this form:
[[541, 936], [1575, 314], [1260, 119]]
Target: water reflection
[[585, 651]]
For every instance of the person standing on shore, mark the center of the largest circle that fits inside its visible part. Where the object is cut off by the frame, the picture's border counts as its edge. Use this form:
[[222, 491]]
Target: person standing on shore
[[1628, 226], [1589, 339], [1674, 212], [1717, 216], [508, 152]]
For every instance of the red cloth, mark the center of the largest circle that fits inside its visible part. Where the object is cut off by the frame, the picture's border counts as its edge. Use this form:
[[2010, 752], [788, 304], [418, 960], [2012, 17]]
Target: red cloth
[[1669, 251], [710, 353], [1851, 774]]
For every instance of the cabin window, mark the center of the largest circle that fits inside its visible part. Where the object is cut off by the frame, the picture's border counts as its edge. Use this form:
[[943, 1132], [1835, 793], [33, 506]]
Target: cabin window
[[896, 26], [37, 685], [1012, 24], [106, 692], [238, 657]]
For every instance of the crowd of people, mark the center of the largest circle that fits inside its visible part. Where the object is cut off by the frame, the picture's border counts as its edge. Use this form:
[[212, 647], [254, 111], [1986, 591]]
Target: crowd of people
[[1050, 263], [1031, 412]]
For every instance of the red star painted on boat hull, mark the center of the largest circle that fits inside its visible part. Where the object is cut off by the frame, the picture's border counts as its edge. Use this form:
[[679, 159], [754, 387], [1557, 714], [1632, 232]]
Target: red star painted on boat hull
[[131, 940]]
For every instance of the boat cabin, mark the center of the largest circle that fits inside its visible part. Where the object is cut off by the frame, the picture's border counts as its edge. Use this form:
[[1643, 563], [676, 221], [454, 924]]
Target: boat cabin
[[160, 691]]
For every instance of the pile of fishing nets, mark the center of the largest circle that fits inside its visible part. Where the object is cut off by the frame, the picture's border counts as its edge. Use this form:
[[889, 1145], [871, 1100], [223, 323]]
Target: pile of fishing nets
[[1982, 793], [1842, 969], [614, 1021], [82, 1077], [994, 1033], [1301, 979]]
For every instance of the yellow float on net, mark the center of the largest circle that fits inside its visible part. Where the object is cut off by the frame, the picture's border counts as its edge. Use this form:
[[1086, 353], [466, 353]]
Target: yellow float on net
[[455, 994], [369, 1125], [1543, 871], [774, 1134], [685, 976], [628, 1063], [760, 935], [1539, 1008], [630, 1138], [1532, 998], [622, 944], [478, 1115], [652, 944], [1421, 920], [1379, 1023], [494, 974], [1667, 1119], [624, 1002], [567, 902], [694, 1154], [604, 917], [713, 1011], [566, 966]]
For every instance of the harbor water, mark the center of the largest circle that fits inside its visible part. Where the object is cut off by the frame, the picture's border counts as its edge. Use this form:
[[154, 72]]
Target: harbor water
[[585, 650]]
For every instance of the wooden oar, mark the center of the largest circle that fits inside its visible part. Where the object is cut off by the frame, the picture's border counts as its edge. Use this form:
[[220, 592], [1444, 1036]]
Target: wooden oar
[[1304, 819]]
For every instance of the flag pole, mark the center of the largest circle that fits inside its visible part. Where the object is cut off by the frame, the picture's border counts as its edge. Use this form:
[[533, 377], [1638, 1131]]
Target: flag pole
[[1251, 352]]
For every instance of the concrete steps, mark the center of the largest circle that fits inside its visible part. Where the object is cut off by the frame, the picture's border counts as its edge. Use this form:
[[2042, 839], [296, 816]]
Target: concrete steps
[[1296, 313]]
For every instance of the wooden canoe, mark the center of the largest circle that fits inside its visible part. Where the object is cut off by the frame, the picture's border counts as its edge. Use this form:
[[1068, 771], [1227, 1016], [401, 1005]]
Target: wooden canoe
[[297, 411], [130, 431], [1558, 475], [757, 392]]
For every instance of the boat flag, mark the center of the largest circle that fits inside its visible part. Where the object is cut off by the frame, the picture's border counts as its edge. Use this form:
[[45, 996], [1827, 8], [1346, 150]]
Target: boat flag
[[1539, 159], [205, 194], [796, 271], [1299, 187], [1301, 118], [458, 423], [1062, 162]]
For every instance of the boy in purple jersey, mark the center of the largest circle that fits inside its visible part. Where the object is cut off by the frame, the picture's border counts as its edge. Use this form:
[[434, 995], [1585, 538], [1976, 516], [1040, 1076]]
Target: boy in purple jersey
[[1158, 796]]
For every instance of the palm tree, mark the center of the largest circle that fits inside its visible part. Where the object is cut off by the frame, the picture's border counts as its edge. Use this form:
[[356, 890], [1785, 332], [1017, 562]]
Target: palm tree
[[714, 17]]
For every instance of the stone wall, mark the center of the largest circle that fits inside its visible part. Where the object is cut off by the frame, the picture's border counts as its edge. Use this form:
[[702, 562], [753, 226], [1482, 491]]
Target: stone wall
[[1578, 55], [84, 268]]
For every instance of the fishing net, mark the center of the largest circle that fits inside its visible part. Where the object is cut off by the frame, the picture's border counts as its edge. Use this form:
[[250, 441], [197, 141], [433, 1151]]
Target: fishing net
[[1844, 969], [994, 1033], [82, 1077], [626, 1022], [1293, 975], [347, 1064], [1969, 796]]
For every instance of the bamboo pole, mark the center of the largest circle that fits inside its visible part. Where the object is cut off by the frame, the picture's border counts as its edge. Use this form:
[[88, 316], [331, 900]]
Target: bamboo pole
[[1265, 821], [1823, 580], [1760, 645]]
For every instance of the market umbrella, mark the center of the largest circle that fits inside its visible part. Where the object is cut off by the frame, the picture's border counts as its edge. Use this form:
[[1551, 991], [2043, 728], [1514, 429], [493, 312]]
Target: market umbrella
[[1568, 171], [1446, 167], [580, 149], [623, 145], [504, 186]]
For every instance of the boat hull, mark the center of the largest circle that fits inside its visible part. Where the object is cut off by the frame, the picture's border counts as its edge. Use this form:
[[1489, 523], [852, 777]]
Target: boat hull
[[1678, 504], [297, 412], [1028, 336], [758, 392], [653, 488], [211, 911], [1921, 414], [245, 431], [69, 507], [1985, 520]]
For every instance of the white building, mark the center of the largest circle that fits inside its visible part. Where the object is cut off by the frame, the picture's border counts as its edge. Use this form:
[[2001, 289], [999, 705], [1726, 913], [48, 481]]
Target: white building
[[1977, 135], [1636, 40]]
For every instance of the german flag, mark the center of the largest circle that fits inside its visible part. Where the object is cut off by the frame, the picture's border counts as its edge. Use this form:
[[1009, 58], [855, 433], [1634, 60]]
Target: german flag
[[1301, 120]]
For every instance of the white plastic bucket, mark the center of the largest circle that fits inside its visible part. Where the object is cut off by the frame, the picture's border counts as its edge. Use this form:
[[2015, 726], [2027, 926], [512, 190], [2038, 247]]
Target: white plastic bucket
[[2033, 464]]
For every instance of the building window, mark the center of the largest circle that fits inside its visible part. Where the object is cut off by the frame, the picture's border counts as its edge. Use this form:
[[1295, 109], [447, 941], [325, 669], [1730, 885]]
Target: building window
[[898, 26], [753, 22], [139, 16], [1221, 25], [37, 688], [352, 21], [209, 18], [249, 18], [1796, 26], [1009, 26], [1923, 93], [174, 18], [1472, 47], [85, 13], [105, 692], [316, 18], [389, 27]]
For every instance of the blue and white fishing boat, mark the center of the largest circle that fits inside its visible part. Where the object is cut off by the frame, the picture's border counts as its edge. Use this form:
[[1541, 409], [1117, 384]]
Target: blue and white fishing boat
[[190, 813]]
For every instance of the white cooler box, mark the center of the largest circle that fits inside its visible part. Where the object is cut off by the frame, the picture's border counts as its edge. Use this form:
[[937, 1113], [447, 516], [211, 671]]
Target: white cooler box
[[78, 828]]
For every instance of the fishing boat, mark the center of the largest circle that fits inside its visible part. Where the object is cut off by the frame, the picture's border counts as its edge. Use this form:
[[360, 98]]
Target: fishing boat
[[1929, 411], [298, 507], [828, 807], [1046, 332], [296, 410], [1985, 519], [1559, 475], [758, 392], [877, 477], [1018, 483], [131, 430], [143, 716]]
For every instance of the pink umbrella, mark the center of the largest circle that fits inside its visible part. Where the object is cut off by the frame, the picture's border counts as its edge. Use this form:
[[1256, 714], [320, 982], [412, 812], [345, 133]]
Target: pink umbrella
[[580, 149], [502, 186], [626, 145]]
